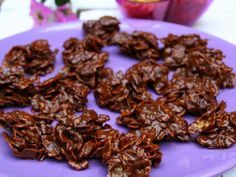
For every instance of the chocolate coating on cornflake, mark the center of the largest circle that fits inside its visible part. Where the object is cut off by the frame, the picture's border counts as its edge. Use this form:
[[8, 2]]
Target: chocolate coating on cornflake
[[104, 28], [148, 72], [59, 97], [119, 93], [15, 88], [158, 117], [216, 128], [140, 45], [36, 58], [177, 48]]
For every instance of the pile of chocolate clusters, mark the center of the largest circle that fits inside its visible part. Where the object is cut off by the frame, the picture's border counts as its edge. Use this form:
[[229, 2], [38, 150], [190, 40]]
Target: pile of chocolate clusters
[[54, 129]]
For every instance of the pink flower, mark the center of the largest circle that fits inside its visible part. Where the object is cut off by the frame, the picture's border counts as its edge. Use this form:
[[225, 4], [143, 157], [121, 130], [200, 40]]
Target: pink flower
[[41, 14], [64, 14]]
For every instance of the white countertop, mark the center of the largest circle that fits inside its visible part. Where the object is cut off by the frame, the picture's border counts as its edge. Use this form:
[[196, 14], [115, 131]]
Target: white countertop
[[219, 20]]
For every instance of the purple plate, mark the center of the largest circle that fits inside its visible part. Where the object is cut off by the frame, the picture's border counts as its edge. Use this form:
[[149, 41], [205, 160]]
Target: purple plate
[[179, 159]]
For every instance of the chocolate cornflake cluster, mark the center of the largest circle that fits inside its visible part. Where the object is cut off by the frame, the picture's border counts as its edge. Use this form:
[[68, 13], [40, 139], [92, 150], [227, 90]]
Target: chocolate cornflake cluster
[[158, 117], [216, 128], [73, 46], [140, 45], [190, 95], [176, 48], [36, 58], [104, 28], [25, 134], [149, 72], [130, 154], [208, 63], [15, 88], [84, 61], [120, 92], [88, 70], [55, 130], [80, 139], [124, 91], [33, 138], [191, 57], [59, 97]]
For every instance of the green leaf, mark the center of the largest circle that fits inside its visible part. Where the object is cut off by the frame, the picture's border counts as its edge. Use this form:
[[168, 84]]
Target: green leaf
[[61, 2], [43, 1]]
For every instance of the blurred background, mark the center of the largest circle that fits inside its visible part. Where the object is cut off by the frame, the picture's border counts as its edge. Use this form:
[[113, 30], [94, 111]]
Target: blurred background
[[216, 17], [217, 20]]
